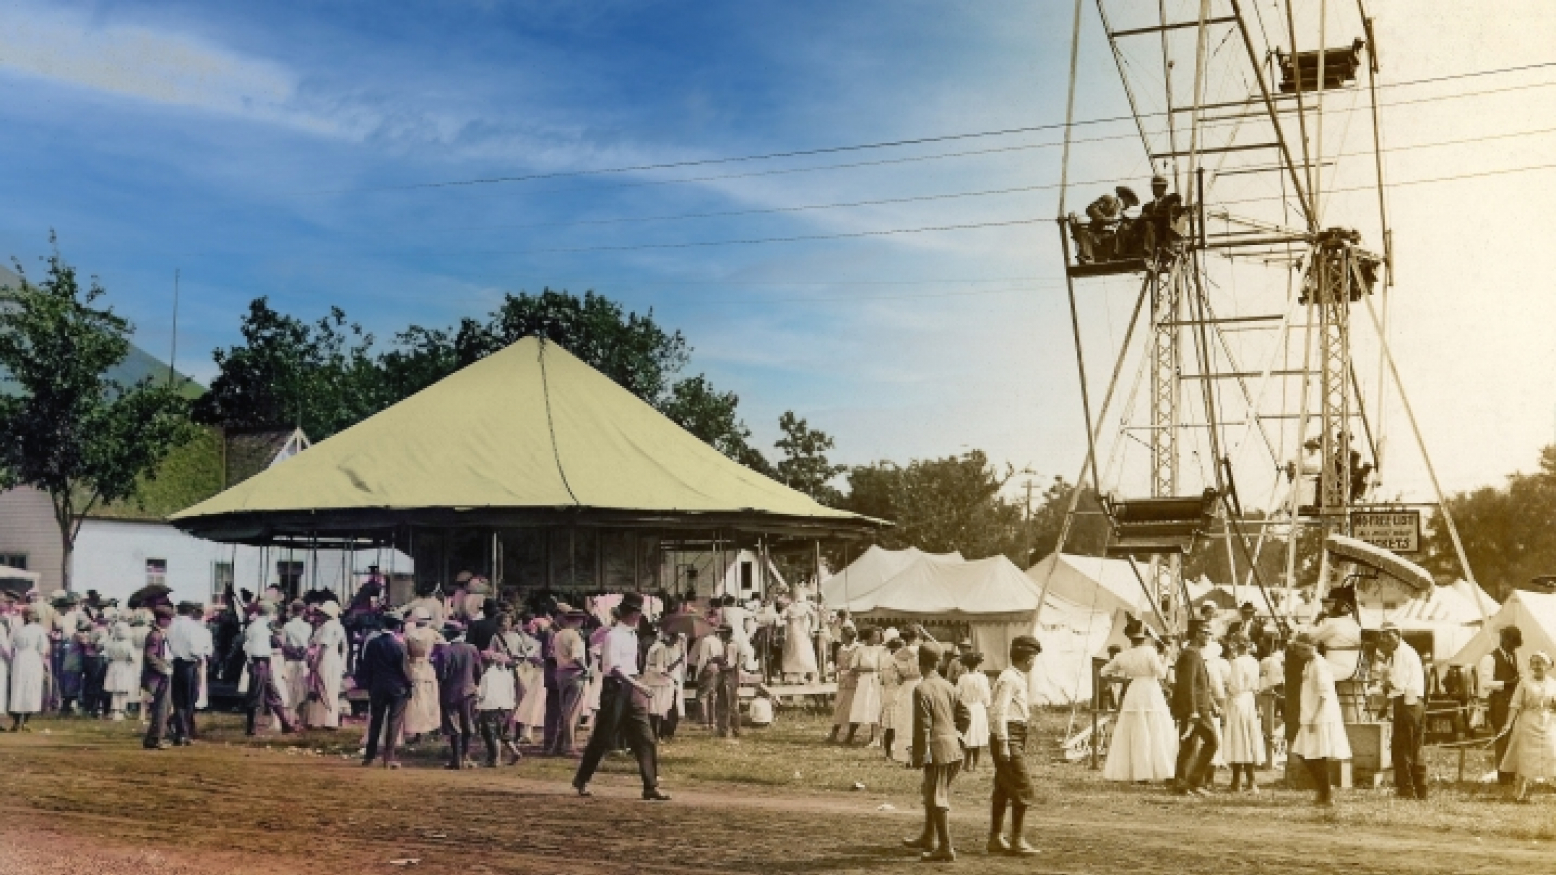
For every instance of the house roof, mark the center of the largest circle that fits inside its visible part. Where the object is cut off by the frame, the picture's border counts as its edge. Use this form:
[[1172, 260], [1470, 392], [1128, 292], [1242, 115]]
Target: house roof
[[519, 437]]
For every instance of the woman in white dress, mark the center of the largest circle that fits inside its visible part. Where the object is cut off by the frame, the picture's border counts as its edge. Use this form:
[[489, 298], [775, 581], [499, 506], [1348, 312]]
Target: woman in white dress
[[1531, 718], [423, 713], [529, 670], [910, 676], [974, 696], [1242, 736], [5, 655], [140, 629], [891, 679], [121, 681], [1144, 745], [1321, 733], [865, 709], [29, 655], [496, 698], [799, 653], [327, 668]]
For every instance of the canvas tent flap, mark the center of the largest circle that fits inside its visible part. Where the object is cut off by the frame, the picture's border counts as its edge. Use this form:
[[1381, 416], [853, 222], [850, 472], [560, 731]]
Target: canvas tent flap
[[1092, 581], [1534, 613], [874, 567], [983, 588], [530, 426]]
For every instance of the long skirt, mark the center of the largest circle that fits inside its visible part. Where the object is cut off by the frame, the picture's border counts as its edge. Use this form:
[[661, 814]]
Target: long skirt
[[799, 655], [532, 695], [1242, 736], [294, 684], [889, 707], [977, 734], [866, 705], [5, 684], [26, 683], [843, 707], [903, 720], [1325, 740], [1532, 751], [324, 710], [422, 714], [1144, 746]]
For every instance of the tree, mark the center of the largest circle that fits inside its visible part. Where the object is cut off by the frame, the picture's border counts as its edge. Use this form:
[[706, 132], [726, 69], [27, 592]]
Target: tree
[[320, 377], [695, 405], [804, 465], [1506, 531], [81, 438]]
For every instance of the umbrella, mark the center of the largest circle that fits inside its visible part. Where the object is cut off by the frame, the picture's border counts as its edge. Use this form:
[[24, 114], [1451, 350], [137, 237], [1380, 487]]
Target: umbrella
[[150, 596], [693, 626], [1385, 561]]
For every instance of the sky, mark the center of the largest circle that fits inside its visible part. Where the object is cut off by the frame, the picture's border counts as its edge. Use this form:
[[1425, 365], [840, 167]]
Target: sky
[[412, 162]]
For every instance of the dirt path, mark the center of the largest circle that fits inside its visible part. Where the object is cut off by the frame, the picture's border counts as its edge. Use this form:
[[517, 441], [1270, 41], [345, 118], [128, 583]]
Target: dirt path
[[79, 807]]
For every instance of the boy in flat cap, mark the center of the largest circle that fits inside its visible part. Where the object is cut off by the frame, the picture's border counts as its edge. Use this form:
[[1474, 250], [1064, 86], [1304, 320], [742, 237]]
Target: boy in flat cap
[[1008, 715], [937, 749]]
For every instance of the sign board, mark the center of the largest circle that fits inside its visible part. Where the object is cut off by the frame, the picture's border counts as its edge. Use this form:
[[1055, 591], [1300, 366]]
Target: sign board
[[1396, 530]]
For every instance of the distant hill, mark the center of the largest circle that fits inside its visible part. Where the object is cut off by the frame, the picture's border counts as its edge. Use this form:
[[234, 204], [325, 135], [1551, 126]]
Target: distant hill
[[137, 366]]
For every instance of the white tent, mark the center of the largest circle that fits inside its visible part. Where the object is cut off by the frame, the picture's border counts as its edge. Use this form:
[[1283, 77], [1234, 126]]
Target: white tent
[[1094, 582], [1534, 613], [1455, 603], [1071, 635], [874, 567]]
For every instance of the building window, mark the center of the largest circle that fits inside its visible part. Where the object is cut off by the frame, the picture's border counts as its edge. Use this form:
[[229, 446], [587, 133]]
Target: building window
[[745, 575], [289, 578], [14, 560], [222, 578], [156, 572]]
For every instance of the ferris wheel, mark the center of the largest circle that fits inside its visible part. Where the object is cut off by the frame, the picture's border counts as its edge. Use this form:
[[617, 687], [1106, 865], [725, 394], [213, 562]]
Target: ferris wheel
[[1247, 399]]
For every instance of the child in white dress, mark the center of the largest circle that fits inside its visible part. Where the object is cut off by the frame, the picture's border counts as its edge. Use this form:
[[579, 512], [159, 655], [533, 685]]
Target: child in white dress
[[973, 697]]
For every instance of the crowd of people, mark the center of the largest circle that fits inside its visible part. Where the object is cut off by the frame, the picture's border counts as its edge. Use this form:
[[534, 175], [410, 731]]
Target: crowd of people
[[469, 668]]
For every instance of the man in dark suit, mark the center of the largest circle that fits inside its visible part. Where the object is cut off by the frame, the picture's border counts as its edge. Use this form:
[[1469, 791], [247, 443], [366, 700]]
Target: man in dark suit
[[459, 670], [937, 749], [483, 630], [383, 672], [1195, 712]]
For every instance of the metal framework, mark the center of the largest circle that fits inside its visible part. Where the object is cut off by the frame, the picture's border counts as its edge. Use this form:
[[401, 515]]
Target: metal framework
[[1306, 404]]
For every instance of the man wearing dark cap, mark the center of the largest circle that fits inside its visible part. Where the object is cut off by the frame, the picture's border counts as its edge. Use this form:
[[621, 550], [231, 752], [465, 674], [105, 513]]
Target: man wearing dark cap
[[189, 644], [623, 713], [382, 671], [1008, 715], [727, 693], [1195, 711], [937, 750], [1499, 677], [157, 679], [952, 668], [459, 669]]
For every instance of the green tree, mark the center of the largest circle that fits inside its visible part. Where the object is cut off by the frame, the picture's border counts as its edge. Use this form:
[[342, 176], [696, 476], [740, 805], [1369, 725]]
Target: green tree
[[320, 377], [80, 438], [804, 465], [1507, 532], [713, 417]]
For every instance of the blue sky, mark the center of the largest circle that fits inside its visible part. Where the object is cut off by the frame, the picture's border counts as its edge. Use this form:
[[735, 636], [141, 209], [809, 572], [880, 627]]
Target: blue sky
[[292, 150]]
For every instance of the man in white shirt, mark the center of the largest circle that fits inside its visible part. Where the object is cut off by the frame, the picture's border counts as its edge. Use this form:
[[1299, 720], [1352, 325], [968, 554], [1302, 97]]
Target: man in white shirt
[[258, 646], [623, 714], [1499, 673], [1404, 683], [1007, 742], [569, 655], [295, 637], [706, 659], [189, 645]]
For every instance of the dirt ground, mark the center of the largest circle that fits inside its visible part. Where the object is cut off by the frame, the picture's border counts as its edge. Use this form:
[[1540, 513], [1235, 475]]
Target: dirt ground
[[84, 797]]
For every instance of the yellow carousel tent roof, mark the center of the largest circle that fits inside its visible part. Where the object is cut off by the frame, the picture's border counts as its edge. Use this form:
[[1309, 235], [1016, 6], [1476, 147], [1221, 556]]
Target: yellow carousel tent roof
[[527, 432]]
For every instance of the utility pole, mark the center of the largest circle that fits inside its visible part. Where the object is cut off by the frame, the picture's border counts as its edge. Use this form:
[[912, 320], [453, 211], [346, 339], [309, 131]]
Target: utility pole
[[173, 356], [1029, 499]]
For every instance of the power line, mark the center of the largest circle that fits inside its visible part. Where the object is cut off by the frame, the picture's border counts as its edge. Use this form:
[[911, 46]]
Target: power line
[[830, 150]]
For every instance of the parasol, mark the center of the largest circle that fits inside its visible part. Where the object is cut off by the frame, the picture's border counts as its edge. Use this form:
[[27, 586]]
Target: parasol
[[150, 595], [693, 626]]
